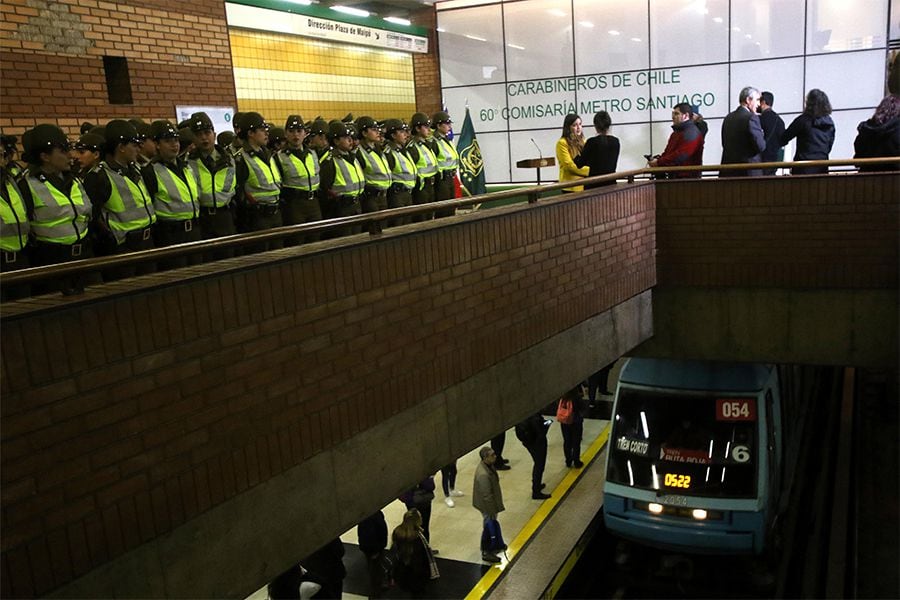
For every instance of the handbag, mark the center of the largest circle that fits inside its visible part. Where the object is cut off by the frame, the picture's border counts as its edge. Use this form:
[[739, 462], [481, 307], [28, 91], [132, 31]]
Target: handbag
[[492, 537], [565, 412]]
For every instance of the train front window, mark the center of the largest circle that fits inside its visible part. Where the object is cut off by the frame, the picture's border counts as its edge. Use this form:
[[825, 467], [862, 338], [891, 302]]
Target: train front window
[[685, 445]]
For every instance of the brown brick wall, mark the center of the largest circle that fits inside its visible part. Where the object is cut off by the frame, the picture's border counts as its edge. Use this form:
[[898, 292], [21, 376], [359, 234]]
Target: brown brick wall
[[51, 61], [789, 232], [180, 398], [427, 67]]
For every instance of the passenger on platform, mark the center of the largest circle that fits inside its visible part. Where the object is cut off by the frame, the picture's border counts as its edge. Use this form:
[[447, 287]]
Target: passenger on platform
[[532, 432], [570, 414], [498, 442], [742, 135], [880, 135], [415, 565], [14, 227], [599, 380], [372, 535], [174, 189], [215, 171], [402, 166], [297, 583], [371, 156], [420, 497], [327, 563], [421, 150], [447, 162], [300, 176], [568, 148], [342, 179], [448, 484], [487, 498], [258, 182], [773, 127], [685, 145], [601, 152], [814, 131]]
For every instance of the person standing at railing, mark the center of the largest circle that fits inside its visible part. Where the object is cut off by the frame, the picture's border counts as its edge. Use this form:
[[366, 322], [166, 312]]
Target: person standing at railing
[[258, 182], [370, 154], [402, 166], [421, 150], [880, 135], [568, 147], [685, 145], [300, 173], [14, 228], [448, 162], [601, 152], [814, 131], [342, 180], [742, 135], [773, 128]]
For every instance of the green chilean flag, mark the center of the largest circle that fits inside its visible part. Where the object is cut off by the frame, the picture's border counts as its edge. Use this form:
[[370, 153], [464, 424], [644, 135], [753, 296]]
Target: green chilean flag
[[471, 164]]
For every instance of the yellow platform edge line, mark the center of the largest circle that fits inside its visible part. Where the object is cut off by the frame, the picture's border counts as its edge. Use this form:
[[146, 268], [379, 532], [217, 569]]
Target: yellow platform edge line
[[490, 578]]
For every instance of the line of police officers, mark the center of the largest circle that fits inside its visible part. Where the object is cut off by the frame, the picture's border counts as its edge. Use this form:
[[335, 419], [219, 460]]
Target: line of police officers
[[130, 186]]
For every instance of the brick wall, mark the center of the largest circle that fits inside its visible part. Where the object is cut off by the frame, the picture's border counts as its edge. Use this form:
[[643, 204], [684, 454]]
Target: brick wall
[[182, 397], [798, 232], [427, 67], [51, 61]]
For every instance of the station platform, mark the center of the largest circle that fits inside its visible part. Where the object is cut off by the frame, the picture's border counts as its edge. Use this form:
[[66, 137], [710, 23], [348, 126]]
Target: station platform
[[541, 535]]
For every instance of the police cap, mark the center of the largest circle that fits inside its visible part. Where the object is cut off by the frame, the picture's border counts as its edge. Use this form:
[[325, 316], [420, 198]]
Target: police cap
[[236, 120], [142, 128], [90, 141], [163, 129], [86, 126], [364, 123], [318, 126], [419, 119], [276, 134], [348, 118], [393, 125], [41, 139], [294, 122], [119, 131], [186, 137], [252, 120], [8, 142], [200, 121], [225, 138], [338, 129], [441, 117]]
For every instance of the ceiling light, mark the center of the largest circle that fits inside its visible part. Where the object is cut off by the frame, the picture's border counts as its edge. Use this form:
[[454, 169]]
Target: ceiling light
[[556, 12], [303, 2], [635, 39], [475, 37], [717, 19], [349, 10], [587, 24], [613, 32], [398, 21], [516, 46]]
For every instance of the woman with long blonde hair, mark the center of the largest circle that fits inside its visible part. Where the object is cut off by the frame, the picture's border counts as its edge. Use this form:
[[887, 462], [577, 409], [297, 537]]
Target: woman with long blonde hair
[[568, 147], [415, 564]]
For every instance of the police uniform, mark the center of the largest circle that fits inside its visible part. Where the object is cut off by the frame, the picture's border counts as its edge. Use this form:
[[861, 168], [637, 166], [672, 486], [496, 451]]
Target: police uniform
[[175, 193], [88, 142], [342, 181], [402, 167], [300, 173], [421, 151], [14, 230], [447, 162], [258, 185], [13, 168], [317, 139], [147, 151], [378, 174], [59, 210], [217, 180]]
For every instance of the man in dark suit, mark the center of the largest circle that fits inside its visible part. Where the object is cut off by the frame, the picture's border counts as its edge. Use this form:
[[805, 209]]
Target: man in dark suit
[[742, 135], [773, 126]]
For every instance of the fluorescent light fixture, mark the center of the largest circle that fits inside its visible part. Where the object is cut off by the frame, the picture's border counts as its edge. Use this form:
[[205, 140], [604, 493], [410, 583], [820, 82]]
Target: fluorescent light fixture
[[556, 12], [302, 2], [587, 24], [655, 477], [349, 10], [630, 474], [644, 425], [398, 21], [635, 39], [614, 32], [718, 19], [475, 37], [516, 46]]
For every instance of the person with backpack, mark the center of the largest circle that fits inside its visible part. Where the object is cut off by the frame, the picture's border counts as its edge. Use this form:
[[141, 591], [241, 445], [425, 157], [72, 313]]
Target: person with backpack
[[569, 413], [532, 432]]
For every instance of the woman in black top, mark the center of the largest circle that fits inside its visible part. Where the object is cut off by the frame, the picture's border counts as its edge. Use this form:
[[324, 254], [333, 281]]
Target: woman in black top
[[601, 152], [814, 131], [880, 135]]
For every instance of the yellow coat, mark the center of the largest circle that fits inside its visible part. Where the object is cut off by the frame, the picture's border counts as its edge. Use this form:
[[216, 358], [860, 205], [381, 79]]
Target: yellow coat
[[568, 171]]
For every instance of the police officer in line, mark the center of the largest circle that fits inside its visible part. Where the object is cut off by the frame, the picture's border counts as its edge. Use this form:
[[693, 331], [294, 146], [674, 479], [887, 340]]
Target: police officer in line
[[14, 225], [342, 178], [214, 169], [300, 173], [258, 181], [237, 143], [10, 150], [224, 140], [186, 142], [447, 162], [88, 154], [317, 139], [402, 167], [175, 191], [421, 151], [277, 140], [58, 207], [146, 143], [371, 155]]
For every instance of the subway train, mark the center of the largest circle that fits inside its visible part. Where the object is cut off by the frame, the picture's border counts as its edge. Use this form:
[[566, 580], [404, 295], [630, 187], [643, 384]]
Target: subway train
[[696, 460]]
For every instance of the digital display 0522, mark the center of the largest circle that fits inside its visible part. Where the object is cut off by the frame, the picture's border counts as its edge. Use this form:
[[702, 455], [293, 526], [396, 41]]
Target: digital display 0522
[[677, 480]]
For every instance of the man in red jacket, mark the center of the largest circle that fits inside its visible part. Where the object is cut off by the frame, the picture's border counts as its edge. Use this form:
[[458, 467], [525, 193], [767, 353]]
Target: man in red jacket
[[685, 146]]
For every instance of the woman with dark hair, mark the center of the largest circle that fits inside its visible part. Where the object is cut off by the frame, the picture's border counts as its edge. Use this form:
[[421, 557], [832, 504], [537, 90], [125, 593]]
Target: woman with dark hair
[[568, 148], [601, 152], [814, 131], [880, 135]]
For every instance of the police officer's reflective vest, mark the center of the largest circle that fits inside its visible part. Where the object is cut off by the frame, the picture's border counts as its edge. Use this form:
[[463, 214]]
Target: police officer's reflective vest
[[299, 174], [377, 173], [14, 226], [58, 218], [404, 169], [447, 156], [426, 166], [349, 179], [215, 191], [263, 184], [129, 207], [176, 198]]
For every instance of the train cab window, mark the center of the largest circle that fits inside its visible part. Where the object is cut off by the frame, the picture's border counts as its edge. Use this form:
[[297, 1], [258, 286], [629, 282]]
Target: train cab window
[[685, 444]]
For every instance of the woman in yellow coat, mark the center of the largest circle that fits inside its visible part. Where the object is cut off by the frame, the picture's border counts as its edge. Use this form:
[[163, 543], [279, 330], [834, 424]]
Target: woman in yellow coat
[[568, 147]]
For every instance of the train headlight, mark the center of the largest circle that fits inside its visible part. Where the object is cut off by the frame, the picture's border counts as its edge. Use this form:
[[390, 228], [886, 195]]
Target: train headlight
[[655, 508], [699, 514]]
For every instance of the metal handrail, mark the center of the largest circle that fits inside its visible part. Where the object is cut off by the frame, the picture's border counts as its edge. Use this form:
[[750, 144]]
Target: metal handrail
[[375, 220]]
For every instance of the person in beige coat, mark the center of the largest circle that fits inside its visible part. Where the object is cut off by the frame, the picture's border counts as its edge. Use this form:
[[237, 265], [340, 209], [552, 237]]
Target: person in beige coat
[[487, 497]]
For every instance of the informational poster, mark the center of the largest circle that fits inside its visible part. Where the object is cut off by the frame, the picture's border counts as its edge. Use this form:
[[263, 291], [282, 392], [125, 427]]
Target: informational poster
[[221, 115]]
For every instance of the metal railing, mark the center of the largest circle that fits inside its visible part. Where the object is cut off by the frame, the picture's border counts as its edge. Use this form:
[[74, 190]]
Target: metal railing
[[374, 221]]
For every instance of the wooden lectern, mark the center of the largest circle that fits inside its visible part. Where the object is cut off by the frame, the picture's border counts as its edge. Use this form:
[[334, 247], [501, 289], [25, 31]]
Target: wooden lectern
[[536, 163]]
